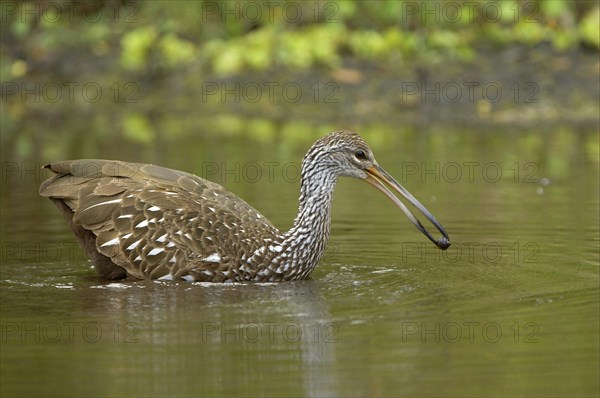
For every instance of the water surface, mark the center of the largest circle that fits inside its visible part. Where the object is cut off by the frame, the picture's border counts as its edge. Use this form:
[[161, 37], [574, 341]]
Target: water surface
[[511, 309]]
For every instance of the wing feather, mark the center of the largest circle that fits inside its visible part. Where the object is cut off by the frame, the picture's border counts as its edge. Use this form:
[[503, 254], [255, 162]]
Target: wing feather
[[153, 221]]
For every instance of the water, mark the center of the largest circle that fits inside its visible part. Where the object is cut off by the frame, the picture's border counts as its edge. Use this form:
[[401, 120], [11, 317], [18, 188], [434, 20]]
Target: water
[[511, 309]]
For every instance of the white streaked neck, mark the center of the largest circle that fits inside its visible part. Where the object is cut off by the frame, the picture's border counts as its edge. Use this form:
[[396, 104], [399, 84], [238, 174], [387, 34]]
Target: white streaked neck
[[307, 240]]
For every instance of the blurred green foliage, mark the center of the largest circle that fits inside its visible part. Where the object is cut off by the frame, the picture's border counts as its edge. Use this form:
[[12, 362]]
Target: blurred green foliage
[[230, 37]]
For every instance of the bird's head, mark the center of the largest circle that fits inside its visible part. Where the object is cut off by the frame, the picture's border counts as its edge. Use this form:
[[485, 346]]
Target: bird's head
[[344, 153]]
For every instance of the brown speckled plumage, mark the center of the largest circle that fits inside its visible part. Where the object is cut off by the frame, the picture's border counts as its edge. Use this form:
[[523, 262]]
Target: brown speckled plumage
[[152, 222]]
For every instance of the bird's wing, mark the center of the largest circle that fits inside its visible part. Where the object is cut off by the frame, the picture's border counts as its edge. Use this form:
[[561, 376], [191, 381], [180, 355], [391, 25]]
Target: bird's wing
[[156, 222]]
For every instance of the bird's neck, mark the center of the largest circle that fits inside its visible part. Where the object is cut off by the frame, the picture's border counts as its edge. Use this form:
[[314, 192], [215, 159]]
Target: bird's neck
[[306, 241]]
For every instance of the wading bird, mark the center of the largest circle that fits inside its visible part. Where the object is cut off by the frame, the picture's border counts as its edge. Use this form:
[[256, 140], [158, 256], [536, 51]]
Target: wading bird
[[151, 222]]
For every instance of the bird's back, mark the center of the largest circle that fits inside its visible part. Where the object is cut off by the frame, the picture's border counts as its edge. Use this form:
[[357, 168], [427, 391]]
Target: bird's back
[[153, 222]]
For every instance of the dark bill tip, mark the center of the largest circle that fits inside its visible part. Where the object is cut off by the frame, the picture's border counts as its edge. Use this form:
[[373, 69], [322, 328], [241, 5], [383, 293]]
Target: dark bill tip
[[377, 176], [443, 243]]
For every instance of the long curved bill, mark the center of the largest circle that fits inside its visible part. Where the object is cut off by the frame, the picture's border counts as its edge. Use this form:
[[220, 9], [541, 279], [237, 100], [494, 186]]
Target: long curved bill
[[377, 176]]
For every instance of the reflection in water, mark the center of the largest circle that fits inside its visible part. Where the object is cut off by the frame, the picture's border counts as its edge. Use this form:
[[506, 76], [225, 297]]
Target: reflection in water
[[234, 337]]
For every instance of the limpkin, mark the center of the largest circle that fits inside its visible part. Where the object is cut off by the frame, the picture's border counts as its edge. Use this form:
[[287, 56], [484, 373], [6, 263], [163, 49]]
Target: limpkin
[[150, 222]]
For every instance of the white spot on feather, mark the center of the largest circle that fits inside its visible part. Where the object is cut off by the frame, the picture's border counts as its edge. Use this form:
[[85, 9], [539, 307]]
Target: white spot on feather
[[276, 248], [168, 277], [102, 203], [133, 245], [187, 278], [142, 224], [154, 208], [156, 251], [111, 242], [213, 258], [259, 251], [126, 215], [161, 238]]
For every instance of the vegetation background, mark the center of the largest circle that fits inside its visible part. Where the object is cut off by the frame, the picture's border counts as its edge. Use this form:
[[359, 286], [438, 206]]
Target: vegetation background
[[146, 71]]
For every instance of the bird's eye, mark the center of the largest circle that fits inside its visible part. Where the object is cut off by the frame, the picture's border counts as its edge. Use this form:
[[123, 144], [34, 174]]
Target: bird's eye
[[360, 155]]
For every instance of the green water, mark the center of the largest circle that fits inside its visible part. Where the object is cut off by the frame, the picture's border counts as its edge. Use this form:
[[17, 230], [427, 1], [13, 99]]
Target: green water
[[511, 309]]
